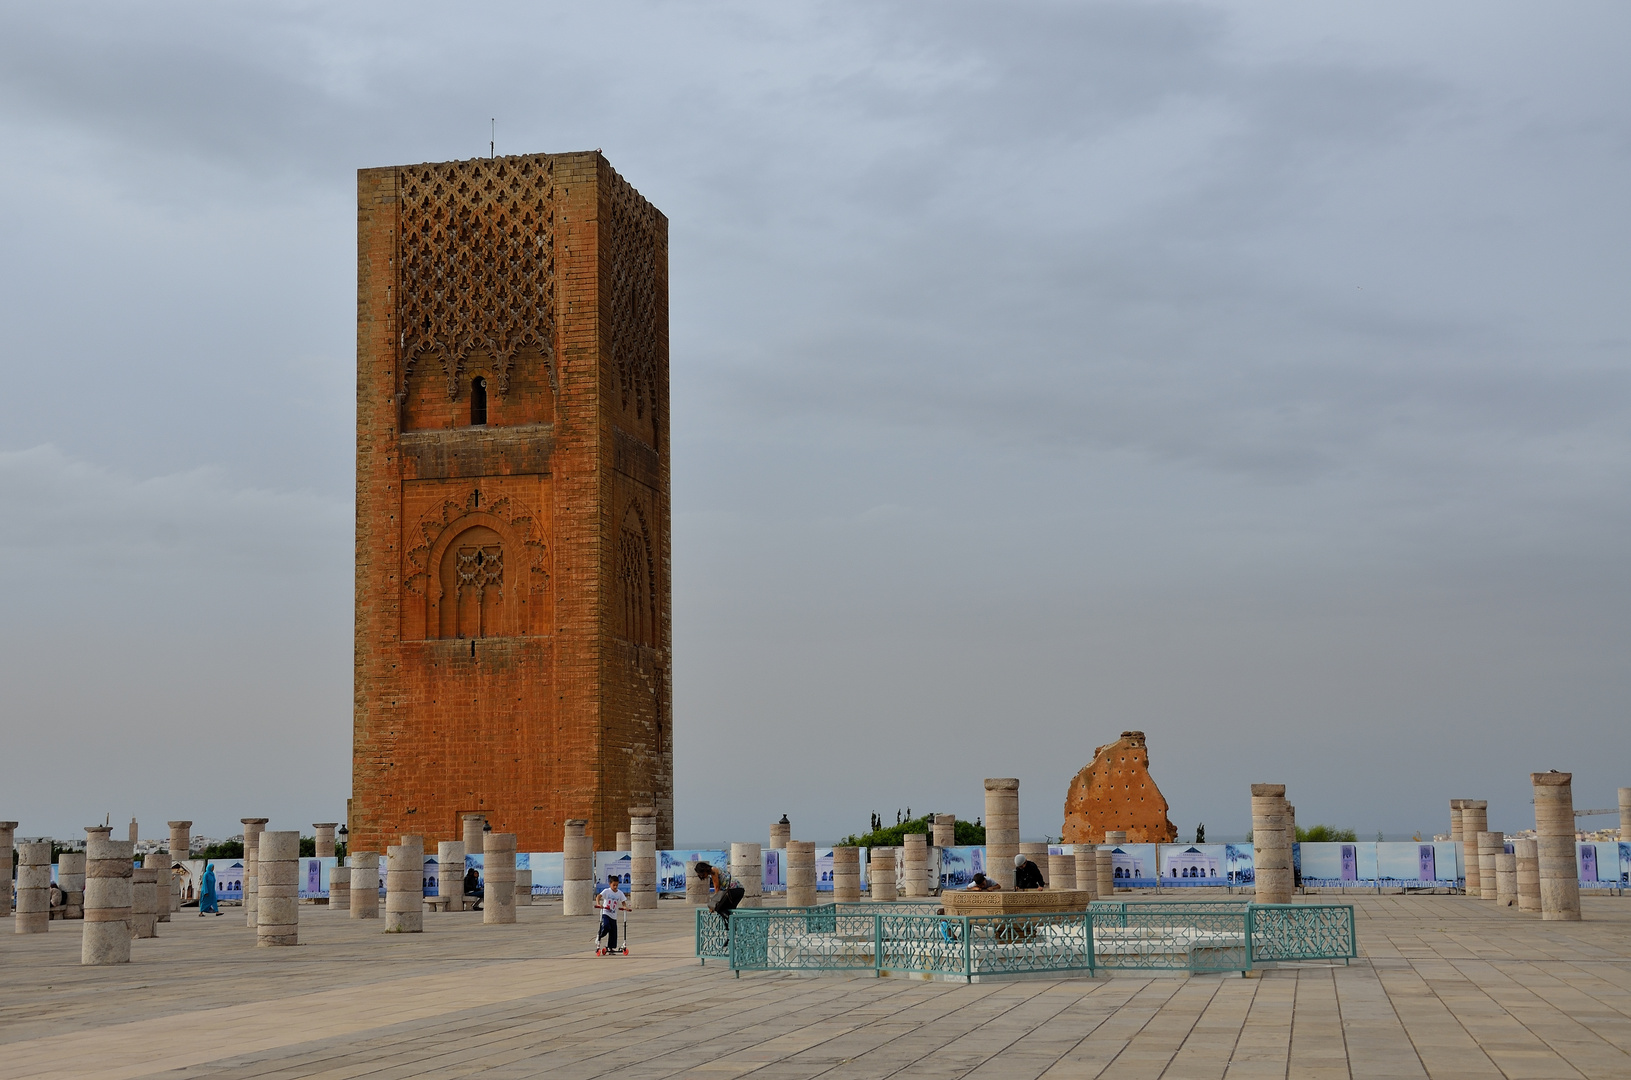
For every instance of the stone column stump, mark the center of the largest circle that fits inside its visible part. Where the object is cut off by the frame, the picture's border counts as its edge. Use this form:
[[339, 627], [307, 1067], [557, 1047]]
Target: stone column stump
[[1271, 855], [498, 871], [643, 858], [364, 884], [181, 851], [1625, 815], [405, 886], [1506, 880], [577, 870], [109, 866], [1062, 870], [801, 873], [880, 874], [339, 889], [278, 908], [144, 902], [1474, 820], [33, 888], [523, 888], [325, 838], [747, 868], [846, 875], [780, 832], [475, 827], [71, 877], [1001, 829], [1455, 820], [945, 830], [1554, 840], [8, 837], [916, 879], [1490, 844], [253, 827], [1105, 863], [1086, 869], [622, 844], [696, 890], [450, 873], [1527, 853]]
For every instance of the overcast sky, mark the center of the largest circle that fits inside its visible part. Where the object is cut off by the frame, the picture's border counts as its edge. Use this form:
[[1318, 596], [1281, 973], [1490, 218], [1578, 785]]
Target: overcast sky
[[1256, 376]]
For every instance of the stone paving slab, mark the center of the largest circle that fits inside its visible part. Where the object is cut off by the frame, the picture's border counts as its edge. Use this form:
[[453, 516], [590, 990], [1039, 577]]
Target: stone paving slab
[[1445, 987]]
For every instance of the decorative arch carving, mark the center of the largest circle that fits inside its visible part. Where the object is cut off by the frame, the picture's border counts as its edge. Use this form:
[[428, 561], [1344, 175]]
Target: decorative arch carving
[[637, 578], [454, 562], [476, 264]]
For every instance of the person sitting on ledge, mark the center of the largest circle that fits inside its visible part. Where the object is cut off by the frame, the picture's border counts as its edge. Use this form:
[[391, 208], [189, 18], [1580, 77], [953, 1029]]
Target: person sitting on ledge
[[472, 886], [981, 883], [1026, 875]]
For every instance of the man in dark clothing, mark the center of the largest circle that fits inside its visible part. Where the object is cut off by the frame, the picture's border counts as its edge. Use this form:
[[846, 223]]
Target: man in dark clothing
[[727, 893], [1026, 875], [472, 886]]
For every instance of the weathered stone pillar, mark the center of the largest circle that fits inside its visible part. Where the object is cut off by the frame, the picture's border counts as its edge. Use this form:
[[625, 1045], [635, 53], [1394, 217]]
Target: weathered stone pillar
[[1527, 853], [1062, 870], [71, 878], [144, 902], [1086, 870], [880, 874], [915, 881], [339, 889], [945, 830], [1271, 855], [780, 832], [109, 866], [577, 870], [253, 827], [405, 886], [747, 867], [643, 858], [181, 850], [1506, 880], [1474, 820], [1625, 815], [1554, 839], [475, 827], [1037, 853], [278, 907], [1115, 837], [624, 843], [450, 872], [160, 862], [523, 888], [33, 887], [325, 838], [1455, 820], [1001, 829], [846, 875], [364, 884], [1490, 844], [696, 890], [1105, 862], [498, 872], [8, 838], [801, 873]]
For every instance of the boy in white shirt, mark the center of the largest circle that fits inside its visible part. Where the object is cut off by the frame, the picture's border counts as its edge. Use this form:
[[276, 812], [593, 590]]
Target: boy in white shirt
[[610, 901]]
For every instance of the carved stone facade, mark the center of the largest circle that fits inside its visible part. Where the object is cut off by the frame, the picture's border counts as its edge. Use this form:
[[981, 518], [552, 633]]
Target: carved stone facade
[[1115, 792], [513, 522]]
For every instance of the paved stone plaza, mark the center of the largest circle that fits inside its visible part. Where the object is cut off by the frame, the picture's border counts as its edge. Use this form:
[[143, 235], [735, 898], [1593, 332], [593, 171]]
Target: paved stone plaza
[[1445, 987]]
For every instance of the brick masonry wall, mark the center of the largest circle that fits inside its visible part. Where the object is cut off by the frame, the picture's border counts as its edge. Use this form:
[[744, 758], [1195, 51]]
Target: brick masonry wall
[[560, 708]]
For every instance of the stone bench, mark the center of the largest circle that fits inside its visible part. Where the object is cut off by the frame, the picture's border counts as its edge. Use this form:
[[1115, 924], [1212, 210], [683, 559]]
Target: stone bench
[[443, 903]]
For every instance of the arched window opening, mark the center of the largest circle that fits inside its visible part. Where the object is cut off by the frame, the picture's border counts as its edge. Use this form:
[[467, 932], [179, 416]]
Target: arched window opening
[[478, 401], [472, 595]]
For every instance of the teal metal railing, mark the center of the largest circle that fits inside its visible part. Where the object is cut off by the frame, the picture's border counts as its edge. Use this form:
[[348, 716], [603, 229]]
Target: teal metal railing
[[1194, 936]]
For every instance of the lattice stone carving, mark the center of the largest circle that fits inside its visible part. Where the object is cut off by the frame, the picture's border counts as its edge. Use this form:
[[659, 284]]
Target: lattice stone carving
[[481, 568], [476, 263], [534, 577], [633, 238]]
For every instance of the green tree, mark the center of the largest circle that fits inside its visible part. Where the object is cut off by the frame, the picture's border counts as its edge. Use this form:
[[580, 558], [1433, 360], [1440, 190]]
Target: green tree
[[968, 833], [1325, 834]]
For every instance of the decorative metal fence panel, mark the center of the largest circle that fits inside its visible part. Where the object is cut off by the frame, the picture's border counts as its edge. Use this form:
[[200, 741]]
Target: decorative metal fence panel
[[1303, 932], [1195, 936]]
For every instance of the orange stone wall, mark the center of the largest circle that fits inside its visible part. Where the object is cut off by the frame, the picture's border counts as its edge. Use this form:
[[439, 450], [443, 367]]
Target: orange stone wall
[[512, 578], [1116, 792]]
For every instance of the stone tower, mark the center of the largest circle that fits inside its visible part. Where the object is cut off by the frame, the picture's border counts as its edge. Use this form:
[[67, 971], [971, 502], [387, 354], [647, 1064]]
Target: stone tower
[[512, 590]]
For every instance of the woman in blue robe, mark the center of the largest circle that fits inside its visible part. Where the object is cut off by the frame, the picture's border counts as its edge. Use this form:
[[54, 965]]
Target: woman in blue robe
[[207, 904]]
